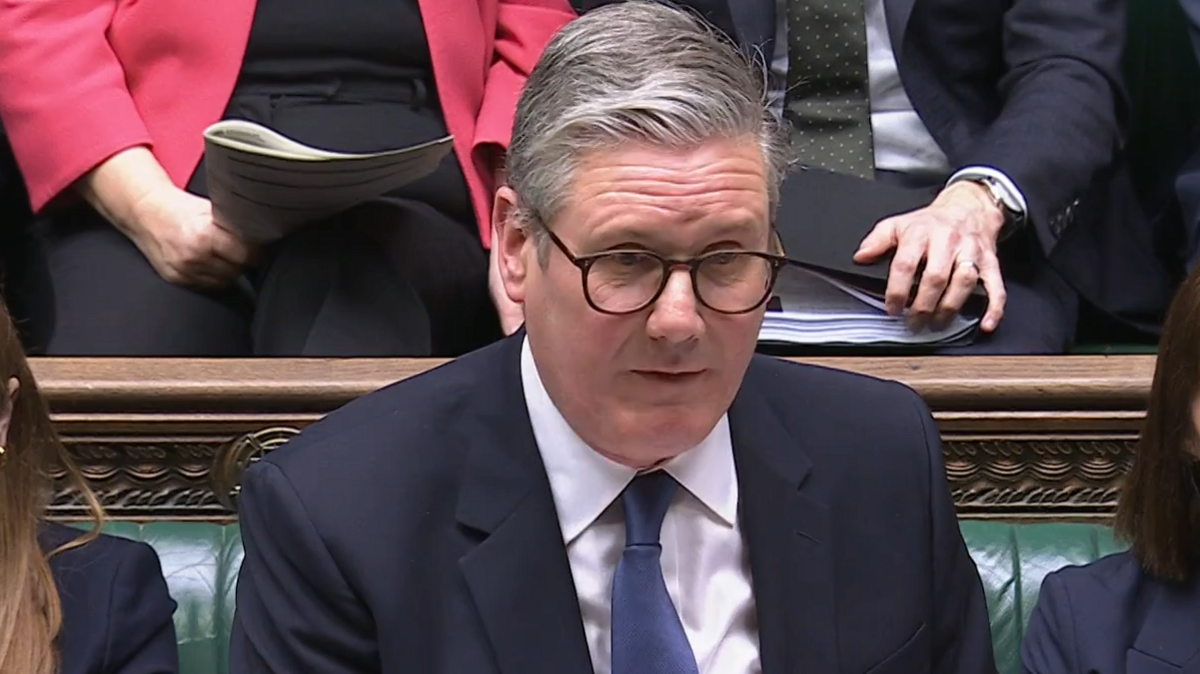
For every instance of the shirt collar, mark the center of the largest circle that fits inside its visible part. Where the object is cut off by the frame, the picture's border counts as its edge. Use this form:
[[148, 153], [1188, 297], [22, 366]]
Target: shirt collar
[[584, 482]]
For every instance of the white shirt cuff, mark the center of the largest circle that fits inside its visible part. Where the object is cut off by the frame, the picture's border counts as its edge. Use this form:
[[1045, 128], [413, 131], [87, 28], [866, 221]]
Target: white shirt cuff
[[1007, 186]]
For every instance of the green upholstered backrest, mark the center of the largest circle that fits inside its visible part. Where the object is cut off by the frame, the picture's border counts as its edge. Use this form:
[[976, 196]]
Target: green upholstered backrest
[[1012, 561], [200, 562]]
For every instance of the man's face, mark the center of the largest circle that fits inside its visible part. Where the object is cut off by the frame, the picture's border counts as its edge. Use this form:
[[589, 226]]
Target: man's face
[[645, 386]]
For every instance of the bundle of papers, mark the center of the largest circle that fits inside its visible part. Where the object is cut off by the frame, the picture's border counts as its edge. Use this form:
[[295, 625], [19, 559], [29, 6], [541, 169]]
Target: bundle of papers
[[811, 308], [263, 185]]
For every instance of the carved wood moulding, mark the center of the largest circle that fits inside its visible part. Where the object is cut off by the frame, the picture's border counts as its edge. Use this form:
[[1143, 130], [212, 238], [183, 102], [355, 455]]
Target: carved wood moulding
[[1026, 437]]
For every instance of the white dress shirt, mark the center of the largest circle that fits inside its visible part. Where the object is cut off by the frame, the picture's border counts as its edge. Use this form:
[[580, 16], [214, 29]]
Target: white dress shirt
[[705, 563], [902, 143], [901, 140]]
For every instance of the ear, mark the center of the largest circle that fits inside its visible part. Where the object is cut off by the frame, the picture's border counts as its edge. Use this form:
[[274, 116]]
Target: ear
[[10, 402], [513, 244]]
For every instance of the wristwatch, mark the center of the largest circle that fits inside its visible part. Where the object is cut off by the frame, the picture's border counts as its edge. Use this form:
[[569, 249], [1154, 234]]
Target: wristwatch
[[1007, 202]]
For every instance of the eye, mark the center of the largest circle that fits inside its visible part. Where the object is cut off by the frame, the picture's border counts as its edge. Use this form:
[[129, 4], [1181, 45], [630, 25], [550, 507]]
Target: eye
[[629, 259], [722, 259]]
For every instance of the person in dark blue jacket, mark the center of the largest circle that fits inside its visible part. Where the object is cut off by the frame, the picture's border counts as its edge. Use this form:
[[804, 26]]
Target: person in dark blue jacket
[[71, 602], [1138, 612]]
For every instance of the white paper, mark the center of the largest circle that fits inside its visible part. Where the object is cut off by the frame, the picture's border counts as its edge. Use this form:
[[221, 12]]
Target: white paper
[[820, 310], [264, 185]]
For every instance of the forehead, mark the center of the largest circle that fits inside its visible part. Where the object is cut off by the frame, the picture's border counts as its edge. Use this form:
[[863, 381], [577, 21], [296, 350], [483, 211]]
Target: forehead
[[669, 194]]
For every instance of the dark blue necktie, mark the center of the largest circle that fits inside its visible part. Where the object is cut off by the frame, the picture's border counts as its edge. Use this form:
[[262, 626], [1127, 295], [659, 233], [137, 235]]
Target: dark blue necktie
[[647, 636]]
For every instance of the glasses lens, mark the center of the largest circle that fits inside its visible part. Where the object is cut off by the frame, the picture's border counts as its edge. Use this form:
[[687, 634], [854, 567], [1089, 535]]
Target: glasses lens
[[730, 282], [733, 282], [623, 281]]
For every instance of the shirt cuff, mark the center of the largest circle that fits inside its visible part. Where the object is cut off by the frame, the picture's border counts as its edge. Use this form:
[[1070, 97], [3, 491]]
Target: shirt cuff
[[1011, 195]]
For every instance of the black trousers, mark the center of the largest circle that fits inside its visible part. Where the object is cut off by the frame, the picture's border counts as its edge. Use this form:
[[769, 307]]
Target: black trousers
[[1040, 318], [391, 278]]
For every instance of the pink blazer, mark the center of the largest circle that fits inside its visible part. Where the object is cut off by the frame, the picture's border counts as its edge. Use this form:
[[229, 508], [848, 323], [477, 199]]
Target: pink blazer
[[81, 80]]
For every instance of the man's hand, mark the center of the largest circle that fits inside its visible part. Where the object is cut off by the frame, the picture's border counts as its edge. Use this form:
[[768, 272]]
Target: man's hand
[[955, 236], [176, 232]]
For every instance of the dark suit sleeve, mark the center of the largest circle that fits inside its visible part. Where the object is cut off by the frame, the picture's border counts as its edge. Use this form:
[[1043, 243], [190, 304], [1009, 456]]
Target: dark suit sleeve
[[1187, 182], [1191, 10], [295, 610], [141, 632], [1064, 105], [1049, 645], [961, 631]]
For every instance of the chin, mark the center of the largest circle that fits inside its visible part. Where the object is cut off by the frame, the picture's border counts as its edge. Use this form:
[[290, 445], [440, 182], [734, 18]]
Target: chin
[[667, 430]]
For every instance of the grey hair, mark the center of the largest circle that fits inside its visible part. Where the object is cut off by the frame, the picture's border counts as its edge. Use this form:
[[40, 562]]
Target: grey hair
[[641, 72]]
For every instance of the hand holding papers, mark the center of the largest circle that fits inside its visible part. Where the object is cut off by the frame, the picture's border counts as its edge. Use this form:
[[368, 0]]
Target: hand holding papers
[[810, 308], [264, 185], [828, 299]]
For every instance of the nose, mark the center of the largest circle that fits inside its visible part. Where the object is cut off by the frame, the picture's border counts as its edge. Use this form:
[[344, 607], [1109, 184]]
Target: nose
[[675, 316]]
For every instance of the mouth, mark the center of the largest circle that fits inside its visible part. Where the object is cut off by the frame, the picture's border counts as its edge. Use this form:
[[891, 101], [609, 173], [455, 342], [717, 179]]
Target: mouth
[[670, 376]]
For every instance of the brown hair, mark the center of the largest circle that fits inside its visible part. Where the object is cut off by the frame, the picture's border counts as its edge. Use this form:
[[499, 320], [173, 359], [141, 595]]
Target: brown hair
[[1159, 507], [30, 613]]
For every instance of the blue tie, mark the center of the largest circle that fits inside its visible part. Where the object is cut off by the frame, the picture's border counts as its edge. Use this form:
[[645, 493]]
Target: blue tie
[[647, 636]]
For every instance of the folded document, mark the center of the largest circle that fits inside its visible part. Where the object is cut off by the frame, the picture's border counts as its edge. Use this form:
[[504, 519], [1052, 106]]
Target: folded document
[[263, 185], [811, 308]]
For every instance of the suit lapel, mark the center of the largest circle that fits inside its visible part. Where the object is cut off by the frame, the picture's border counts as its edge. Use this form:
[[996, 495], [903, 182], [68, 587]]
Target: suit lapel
[[898, 13], [787, 534], [1169, 641], [518, 573]]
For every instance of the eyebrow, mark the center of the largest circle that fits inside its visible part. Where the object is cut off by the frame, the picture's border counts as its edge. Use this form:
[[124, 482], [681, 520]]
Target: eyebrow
[[652, 239]]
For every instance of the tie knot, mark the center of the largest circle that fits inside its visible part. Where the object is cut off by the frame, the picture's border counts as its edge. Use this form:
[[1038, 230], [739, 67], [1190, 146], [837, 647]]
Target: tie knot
[[646, 501]]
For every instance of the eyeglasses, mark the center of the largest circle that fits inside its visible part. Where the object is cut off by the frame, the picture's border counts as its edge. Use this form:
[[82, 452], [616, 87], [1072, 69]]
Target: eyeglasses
[[629, 280]]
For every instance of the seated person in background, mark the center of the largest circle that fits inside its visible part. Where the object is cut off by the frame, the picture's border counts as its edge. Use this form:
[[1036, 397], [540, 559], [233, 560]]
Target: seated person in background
[[71, 602], [1139, 611], [1187, 184], [107, 101], [1010, 115], [14, 218], [623, 486]]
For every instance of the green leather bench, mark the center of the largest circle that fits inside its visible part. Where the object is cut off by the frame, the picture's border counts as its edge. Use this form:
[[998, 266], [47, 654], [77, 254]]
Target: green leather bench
[[201, 562]]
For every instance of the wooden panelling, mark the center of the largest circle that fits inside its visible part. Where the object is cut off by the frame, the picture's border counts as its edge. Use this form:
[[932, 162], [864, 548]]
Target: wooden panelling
[[1024, 437]]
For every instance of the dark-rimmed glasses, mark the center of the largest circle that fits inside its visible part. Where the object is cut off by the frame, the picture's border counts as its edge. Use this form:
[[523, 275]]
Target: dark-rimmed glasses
[[626, 281]]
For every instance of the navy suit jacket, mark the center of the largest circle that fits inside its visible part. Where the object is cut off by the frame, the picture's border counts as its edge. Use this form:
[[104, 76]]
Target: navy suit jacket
[[1109, 617], [117, 614], [1035, 89], [414, 530], [1187, 185]]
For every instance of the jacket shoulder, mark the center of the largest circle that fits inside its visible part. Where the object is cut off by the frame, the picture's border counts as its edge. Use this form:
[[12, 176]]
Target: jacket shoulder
[[856, 429], [116, 606], [102, 551], [393, 447], [1087, 616], [827, 387], [1110, 580], [383, 419]]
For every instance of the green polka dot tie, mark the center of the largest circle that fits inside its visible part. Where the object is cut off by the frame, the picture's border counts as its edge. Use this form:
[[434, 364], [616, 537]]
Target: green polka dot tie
[[828, 100]]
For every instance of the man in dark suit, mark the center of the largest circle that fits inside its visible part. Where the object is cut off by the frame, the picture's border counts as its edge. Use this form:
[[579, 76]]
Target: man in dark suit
[[1009, 114], [1187, 181], [1023, 98], [622, 486], [1013, 111]]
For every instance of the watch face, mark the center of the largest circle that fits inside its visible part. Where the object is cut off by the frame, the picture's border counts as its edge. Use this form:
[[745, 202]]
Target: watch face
[[1002, 200]]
